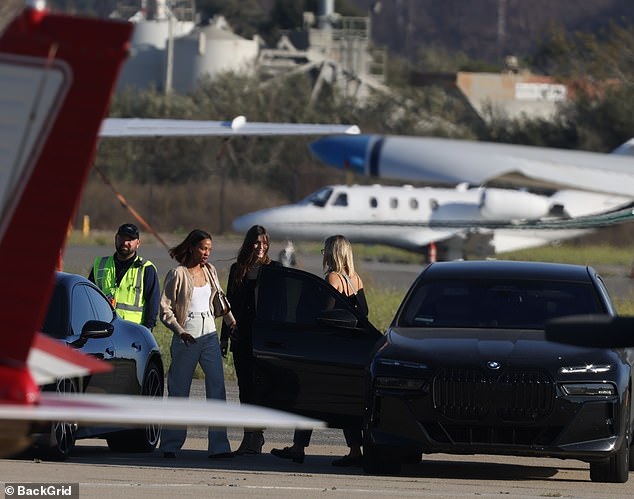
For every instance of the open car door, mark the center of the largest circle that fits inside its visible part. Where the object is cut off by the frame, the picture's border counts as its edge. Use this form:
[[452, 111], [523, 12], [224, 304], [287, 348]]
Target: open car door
[[311, 348]]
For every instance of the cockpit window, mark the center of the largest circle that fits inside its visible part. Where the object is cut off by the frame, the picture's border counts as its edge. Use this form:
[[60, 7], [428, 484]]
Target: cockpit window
[[319, 198], [341, 199]]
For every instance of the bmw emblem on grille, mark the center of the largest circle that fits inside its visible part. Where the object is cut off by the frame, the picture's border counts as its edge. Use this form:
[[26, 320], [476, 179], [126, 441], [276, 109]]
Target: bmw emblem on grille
[[493, 364]]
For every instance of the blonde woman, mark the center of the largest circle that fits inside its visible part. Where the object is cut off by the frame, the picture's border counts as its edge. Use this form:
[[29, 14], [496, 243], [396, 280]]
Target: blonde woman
[[339, 271], [338, 264]]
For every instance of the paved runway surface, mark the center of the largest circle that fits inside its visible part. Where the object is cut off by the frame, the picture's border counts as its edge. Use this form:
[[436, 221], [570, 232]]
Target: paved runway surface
[[101, 473]]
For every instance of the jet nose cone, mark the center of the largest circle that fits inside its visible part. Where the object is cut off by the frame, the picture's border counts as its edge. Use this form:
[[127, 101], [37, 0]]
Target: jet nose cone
[[245, 222], [342, 151]]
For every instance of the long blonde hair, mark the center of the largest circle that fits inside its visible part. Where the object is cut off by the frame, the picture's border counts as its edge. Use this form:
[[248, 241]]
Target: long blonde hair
[[338, 255]]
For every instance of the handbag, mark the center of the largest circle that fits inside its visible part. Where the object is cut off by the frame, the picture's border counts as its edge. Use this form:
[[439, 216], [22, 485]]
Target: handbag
[[220, 302]]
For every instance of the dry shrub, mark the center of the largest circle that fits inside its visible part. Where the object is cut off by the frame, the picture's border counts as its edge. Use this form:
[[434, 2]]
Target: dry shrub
[[174, 208]]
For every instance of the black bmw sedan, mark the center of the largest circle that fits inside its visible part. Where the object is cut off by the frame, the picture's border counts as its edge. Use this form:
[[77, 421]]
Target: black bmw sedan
[[464, 367], [80, 316]]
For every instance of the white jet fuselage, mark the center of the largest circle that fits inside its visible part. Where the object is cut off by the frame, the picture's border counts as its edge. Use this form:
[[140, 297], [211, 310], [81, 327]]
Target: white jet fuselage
[[411, 218]]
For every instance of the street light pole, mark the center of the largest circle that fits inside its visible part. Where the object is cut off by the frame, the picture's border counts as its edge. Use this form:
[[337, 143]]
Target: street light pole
[[169, 66]]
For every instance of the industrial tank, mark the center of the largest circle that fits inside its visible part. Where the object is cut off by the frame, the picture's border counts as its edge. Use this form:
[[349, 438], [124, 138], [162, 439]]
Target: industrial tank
[[209, 51], [146, 65]]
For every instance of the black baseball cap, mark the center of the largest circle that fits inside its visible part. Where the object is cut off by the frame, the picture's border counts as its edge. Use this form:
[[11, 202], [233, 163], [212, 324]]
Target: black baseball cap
[[128, 230]]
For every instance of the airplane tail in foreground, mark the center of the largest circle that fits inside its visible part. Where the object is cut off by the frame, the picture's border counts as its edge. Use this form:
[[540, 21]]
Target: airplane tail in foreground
[[57, 74]]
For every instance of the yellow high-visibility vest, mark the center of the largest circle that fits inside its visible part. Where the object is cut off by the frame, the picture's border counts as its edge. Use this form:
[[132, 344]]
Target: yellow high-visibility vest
[[127, 298]]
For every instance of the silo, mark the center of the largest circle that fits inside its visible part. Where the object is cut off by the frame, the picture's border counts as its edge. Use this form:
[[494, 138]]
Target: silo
[[146, 65], [209, 51]]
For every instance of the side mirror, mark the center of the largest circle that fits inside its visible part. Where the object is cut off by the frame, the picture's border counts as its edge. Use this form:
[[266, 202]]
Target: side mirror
[[598, 331], [96, 329], [338, 317]]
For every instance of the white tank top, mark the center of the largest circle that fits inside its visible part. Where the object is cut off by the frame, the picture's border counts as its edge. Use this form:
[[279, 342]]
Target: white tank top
[[200, 299]]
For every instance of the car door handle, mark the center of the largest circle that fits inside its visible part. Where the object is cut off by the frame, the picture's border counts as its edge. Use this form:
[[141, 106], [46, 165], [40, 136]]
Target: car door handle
[[136, 346]]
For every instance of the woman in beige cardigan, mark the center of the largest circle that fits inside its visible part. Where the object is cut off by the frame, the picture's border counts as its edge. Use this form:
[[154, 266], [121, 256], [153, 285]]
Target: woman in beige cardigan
[[187, 309]]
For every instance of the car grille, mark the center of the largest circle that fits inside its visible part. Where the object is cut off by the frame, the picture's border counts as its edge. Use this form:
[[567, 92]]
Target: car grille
[[510, 395]]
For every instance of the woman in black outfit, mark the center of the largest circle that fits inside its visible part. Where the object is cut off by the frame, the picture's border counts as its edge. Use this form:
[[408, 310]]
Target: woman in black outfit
[[241, 294]]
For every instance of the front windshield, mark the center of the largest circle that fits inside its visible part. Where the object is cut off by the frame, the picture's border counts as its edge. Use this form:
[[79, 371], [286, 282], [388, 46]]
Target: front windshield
[[319, 198], [497, 303]]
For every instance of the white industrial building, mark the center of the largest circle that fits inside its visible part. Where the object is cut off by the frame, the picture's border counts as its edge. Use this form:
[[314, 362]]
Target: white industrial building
[[171, 51]]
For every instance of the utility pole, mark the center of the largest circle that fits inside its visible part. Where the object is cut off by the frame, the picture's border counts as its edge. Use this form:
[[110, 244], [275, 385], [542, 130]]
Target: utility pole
[[501, 31], [169, 65]]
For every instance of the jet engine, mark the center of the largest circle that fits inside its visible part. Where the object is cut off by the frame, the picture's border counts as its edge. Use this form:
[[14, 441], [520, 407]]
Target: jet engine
[[492, 205], [504, 204]]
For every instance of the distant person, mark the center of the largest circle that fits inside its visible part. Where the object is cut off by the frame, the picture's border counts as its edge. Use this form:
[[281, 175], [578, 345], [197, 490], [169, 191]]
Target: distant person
[[187, 309], [339, 272], [129, 281], [287, 255], [243, 274]]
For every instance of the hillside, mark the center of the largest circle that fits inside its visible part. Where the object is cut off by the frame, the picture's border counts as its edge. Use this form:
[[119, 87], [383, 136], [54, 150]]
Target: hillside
[[486, 29]]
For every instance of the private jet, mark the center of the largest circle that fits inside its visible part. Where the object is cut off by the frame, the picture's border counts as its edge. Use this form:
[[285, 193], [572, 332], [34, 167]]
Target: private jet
[[462, 221]]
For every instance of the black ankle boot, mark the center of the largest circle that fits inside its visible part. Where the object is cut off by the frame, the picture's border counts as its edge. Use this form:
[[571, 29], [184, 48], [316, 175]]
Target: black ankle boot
[[252, 443]]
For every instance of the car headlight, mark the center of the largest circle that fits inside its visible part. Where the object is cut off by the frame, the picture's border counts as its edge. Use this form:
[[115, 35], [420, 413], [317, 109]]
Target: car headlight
[[586, 369], [589, 389], [398, 383], [399, 374]]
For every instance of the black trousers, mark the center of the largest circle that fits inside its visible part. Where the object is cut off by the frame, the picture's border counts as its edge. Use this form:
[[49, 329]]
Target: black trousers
[[243, 362]]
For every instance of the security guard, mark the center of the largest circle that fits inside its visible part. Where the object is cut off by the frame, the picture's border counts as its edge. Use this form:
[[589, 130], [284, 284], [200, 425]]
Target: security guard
[[129, 281]]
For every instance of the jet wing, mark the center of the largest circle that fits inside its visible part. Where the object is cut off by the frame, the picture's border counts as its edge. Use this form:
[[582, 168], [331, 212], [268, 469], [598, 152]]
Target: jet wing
[[448, 161], [142, 127], [604, 219], [100, 409]]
